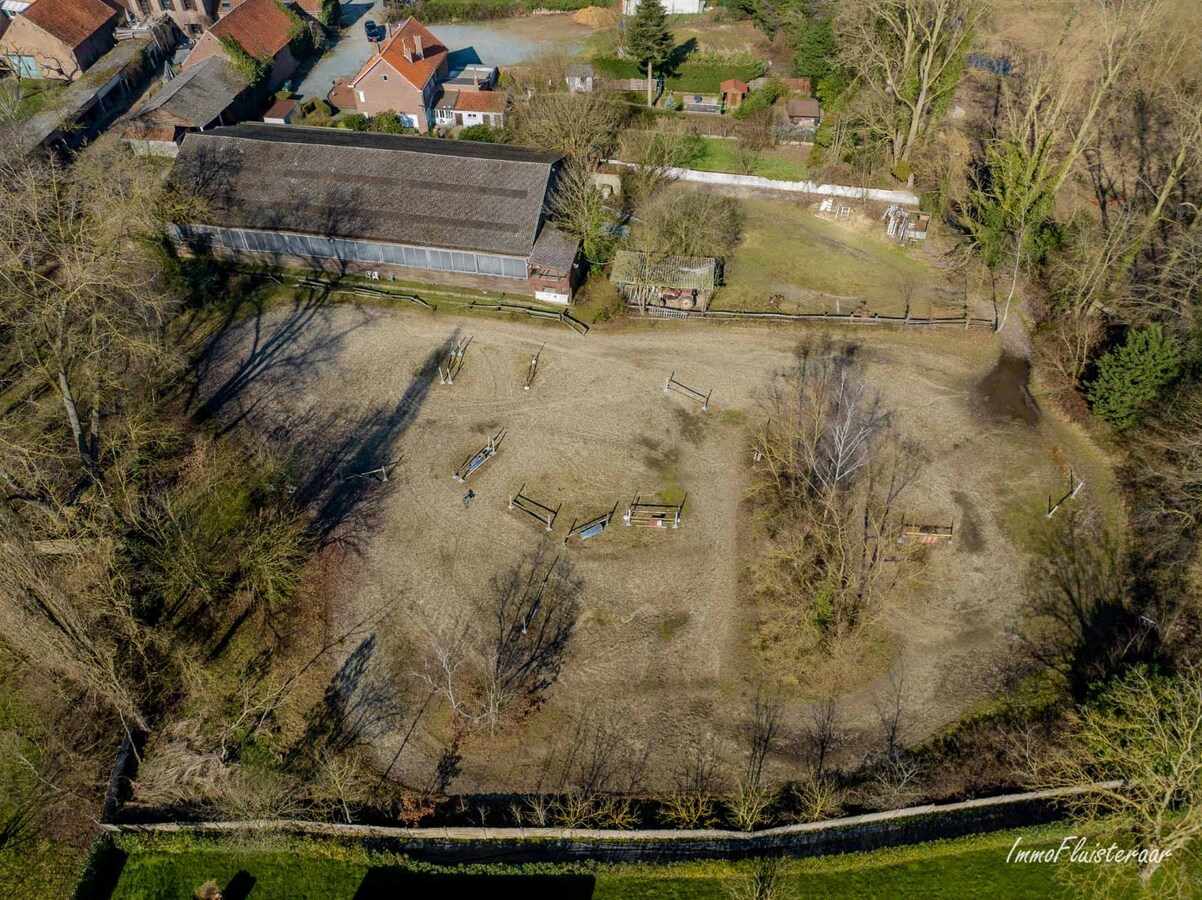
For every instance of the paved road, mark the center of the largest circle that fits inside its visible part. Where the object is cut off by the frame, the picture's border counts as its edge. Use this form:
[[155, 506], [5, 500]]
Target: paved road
[[505, 42], [348, 55]]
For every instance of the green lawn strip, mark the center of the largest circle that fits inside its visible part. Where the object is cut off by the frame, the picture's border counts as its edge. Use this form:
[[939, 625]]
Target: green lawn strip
[[696, 76], [807, 262], [284, 867], [778, 163]]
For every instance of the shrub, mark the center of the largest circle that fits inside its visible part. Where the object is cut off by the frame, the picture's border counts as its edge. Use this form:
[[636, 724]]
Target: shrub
[[254, 68], [388, 122], [1130, 376], [331, 13], [480, 133], [353, 121]]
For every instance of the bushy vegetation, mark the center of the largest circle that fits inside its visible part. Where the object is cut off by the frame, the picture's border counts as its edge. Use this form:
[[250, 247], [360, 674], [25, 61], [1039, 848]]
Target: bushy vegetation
[[1131, 376], [255, 69], [436, 11], [483, 133], [698, 74]]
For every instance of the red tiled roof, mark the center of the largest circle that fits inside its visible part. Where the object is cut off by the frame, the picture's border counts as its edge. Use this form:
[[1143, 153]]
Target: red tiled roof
[[733, 84], [482, 101], [417, 69], [261, 27], [71, 21], [280, 109]]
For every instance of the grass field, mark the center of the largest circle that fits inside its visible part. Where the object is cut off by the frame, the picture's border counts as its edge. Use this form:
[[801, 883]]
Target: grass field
[[794, 261], [783, 163], [961, 869]]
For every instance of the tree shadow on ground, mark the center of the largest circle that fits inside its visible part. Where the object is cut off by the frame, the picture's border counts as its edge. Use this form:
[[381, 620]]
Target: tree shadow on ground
[[680, 53], [344, 457], [360, 703], [386, 881], [282, 355]]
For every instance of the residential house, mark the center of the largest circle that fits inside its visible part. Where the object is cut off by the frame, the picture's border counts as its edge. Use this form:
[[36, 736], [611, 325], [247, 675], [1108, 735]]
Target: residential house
[[192, 17], [580, 78], [424, 209], [804, 112], [403, 76], [462, 108], [671, 7], [734, 92], [60, 38], [674, 282], [262, 28], [204, 96]]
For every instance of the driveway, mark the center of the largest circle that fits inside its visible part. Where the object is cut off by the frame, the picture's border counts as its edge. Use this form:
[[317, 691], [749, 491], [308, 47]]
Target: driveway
[[504, 42], [347, 56]]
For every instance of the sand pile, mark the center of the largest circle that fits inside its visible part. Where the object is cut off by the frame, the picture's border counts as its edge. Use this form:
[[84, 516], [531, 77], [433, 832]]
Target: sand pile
[[596, 17]]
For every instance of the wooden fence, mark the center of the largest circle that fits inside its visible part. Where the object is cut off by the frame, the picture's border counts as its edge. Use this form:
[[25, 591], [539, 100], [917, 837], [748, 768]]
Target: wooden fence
[[665, 312]]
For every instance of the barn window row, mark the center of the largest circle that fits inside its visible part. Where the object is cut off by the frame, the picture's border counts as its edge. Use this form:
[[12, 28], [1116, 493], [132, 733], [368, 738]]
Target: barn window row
[[285, 244]]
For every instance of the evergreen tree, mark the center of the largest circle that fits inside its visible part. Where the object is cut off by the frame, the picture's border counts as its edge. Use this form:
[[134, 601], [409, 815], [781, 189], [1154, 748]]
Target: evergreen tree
[[1130, 376], [648, 38], [815, 51]]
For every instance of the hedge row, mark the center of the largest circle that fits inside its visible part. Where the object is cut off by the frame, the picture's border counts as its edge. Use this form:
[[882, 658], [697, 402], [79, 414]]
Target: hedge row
[[436, 11], [690, 77]]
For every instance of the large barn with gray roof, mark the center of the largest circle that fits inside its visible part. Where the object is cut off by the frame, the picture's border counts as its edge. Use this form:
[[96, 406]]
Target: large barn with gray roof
[[423, 209]]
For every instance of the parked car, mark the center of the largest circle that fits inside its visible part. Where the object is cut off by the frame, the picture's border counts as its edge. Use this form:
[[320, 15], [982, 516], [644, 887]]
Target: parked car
[[374, 31]]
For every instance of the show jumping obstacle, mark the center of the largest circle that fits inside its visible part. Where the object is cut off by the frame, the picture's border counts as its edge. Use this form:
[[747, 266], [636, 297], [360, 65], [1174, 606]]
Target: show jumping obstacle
[[653, 515], [694, 395], [531, 507], [448, 370], [591, 528], [487, 452], [530, 372]]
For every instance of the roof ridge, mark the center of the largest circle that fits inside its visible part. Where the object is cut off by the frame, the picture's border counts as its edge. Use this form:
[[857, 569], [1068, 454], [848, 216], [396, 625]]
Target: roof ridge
[[292, 134]]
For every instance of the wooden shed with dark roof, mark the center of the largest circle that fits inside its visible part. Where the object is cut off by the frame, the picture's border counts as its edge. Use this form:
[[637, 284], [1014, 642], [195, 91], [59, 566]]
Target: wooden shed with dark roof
[[424, 209], [201, 97]]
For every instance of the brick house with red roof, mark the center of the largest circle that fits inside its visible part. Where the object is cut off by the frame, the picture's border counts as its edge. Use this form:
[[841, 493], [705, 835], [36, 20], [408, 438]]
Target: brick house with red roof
[[262, 28], [403, 76], [458, 108], [60, 38]]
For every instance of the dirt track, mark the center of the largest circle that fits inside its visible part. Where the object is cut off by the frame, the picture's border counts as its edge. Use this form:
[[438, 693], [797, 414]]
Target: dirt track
[[663, 645]]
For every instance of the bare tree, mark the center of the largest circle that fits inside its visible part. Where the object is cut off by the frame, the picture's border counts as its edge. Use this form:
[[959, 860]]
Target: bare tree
[[691, 803], [832, 472], [904, 52], [579, 209], [62, 634], [823, 735], [534, 607], [581, 126], [78, 290], [1137, 752]]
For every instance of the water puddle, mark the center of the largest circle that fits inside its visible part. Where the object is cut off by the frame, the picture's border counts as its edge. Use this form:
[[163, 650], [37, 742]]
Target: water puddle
[[1004, 394]]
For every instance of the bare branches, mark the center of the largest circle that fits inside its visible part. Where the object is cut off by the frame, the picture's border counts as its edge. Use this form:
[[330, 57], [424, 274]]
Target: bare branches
[[906, 53], [833, 471]]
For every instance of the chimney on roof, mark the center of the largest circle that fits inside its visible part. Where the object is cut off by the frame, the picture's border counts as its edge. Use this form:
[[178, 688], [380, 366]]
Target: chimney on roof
[[406, 51], [417, 43]]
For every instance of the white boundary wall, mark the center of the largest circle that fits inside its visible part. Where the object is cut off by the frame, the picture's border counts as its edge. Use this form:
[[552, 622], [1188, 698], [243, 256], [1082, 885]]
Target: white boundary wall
[[795, 187]]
